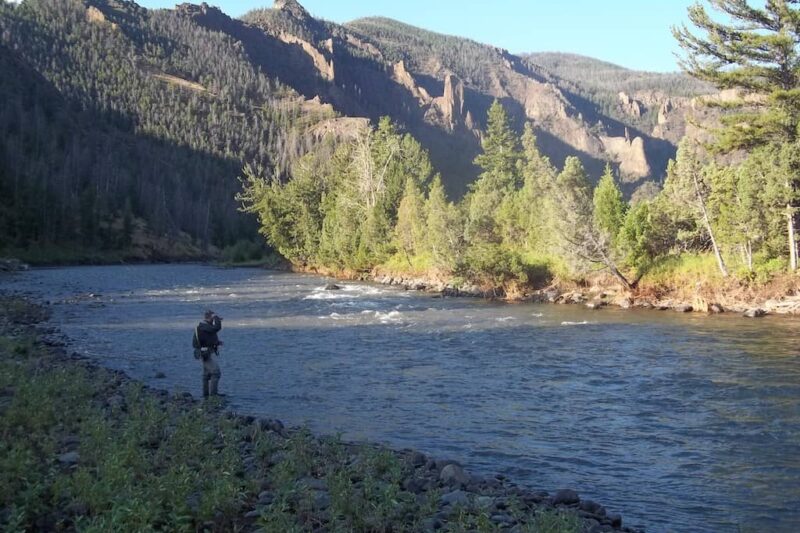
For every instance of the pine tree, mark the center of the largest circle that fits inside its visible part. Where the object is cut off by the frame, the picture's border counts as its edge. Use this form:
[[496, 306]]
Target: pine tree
[[445, 229], [686, 194], [537, 175], [575, 220], [500, 150], [409, 232], [757, 53], [609, 207], [499, 179]]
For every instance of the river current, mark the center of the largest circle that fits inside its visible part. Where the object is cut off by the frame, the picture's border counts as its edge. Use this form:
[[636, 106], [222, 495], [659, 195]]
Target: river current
[[679, 422]]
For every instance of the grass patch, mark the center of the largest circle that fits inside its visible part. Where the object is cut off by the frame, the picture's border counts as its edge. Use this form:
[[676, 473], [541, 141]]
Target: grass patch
[[156, 466], [676, 270], [416, 265]]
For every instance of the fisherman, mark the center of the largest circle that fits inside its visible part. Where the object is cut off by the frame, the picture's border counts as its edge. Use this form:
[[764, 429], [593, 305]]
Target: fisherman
[[206, 348]]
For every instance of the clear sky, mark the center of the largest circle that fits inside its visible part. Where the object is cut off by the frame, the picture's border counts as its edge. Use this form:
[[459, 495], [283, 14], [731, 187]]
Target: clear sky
[[632, 33]]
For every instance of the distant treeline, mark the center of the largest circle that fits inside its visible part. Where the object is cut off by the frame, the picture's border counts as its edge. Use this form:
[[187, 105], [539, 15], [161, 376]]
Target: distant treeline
[[374, 202]]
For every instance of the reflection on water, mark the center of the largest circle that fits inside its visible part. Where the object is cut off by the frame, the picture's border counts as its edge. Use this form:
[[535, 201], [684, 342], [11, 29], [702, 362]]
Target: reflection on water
[[682, 423]]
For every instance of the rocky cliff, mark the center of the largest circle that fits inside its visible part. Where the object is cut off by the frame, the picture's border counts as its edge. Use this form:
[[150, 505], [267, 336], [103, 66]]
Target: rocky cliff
[[439, 87]]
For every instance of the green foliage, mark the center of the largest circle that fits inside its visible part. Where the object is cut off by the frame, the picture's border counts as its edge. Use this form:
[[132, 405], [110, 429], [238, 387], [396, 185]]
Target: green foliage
[[635, 237], [499, 179], [445, 237], [145, 115], [755, 50], [410, 231], [341, 206], [555, 521], [135, 472], [245, 252], [500, 266], [609, 207]]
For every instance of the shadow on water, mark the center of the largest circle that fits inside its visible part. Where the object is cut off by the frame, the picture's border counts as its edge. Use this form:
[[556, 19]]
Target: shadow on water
[[683, 423]]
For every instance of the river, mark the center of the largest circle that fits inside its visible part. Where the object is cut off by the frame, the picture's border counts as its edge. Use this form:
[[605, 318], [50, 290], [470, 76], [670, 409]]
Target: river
[[679, 422]]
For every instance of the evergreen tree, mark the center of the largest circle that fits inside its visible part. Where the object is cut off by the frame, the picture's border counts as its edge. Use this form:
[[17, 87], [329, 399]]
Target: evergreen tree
[[500, 150], [685, 198], [409, 231], [537, 214], [500, 177], [755, 51], [580, 236], [609, 207], [444, 226], [635, 237]]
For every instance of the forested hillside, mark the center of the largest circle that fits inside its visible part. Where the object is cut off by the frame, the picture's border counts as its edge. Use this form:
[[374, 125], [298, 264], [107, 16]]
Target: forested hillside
[[601, 83], [114, 113]]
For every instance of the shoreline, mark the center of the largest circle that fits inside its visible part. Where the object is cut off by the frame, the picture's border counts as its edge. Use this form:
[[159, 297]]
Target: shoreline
[[433, 493], [601, 293], [598, 295]]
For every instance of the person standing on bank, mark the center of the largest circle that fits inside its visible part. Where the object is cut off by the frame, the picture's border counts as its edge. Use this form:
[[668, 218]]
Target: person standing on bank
[[206, 348]]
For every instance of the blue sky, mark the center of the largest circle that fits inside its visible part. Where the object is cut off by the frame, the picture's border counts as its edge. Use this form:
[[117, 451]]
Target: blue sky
[[632, 33]]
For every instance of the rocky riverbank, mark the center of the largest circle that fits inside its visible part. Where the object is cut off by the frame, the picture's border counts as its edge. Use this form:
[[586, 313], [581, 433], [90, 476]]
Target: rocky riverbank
[[606, 293], [87, 447]]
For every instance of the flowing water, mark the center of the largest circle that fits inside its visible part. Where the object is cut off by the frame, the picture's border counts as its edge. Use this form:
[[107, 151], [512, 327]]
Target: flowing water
[[679, 422]]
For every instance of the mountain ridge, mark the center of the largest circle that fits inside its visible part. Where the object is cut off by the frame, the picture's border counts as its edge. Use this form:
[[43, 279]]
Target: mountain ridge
[[266, 88], [426, 62]]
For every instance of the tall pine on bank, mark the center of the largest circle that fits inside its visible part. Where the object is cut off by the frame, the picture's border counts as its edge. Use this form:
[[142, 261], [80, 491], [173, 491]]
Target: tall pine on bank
[[757, 54], [498, 179]]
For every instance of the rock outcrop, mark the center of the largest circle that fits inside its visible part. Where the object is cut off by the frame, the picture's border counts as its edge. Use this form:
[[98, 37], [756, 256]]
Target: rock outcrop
[[630, 154], [451, 103], [96, 16], [630, 106], [323, 64], [293, 8], [341, 128], [402, 76]]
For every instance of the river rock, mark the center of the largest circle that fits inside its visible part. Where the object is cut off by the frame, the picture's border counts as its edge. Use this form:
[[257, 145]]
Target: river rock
[[484, 502], [431, 524], [70, 441], [271, 424], [592, 507], [69, 458], [332, 287], [616, 520], [551, 295], [415, 485], [453, 474], [12, 265], [565, 497], [457, 497], [314, 483], [754, 313], [683, 308], [417, 459], [502, 519], [595, 305], [715, 309]]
